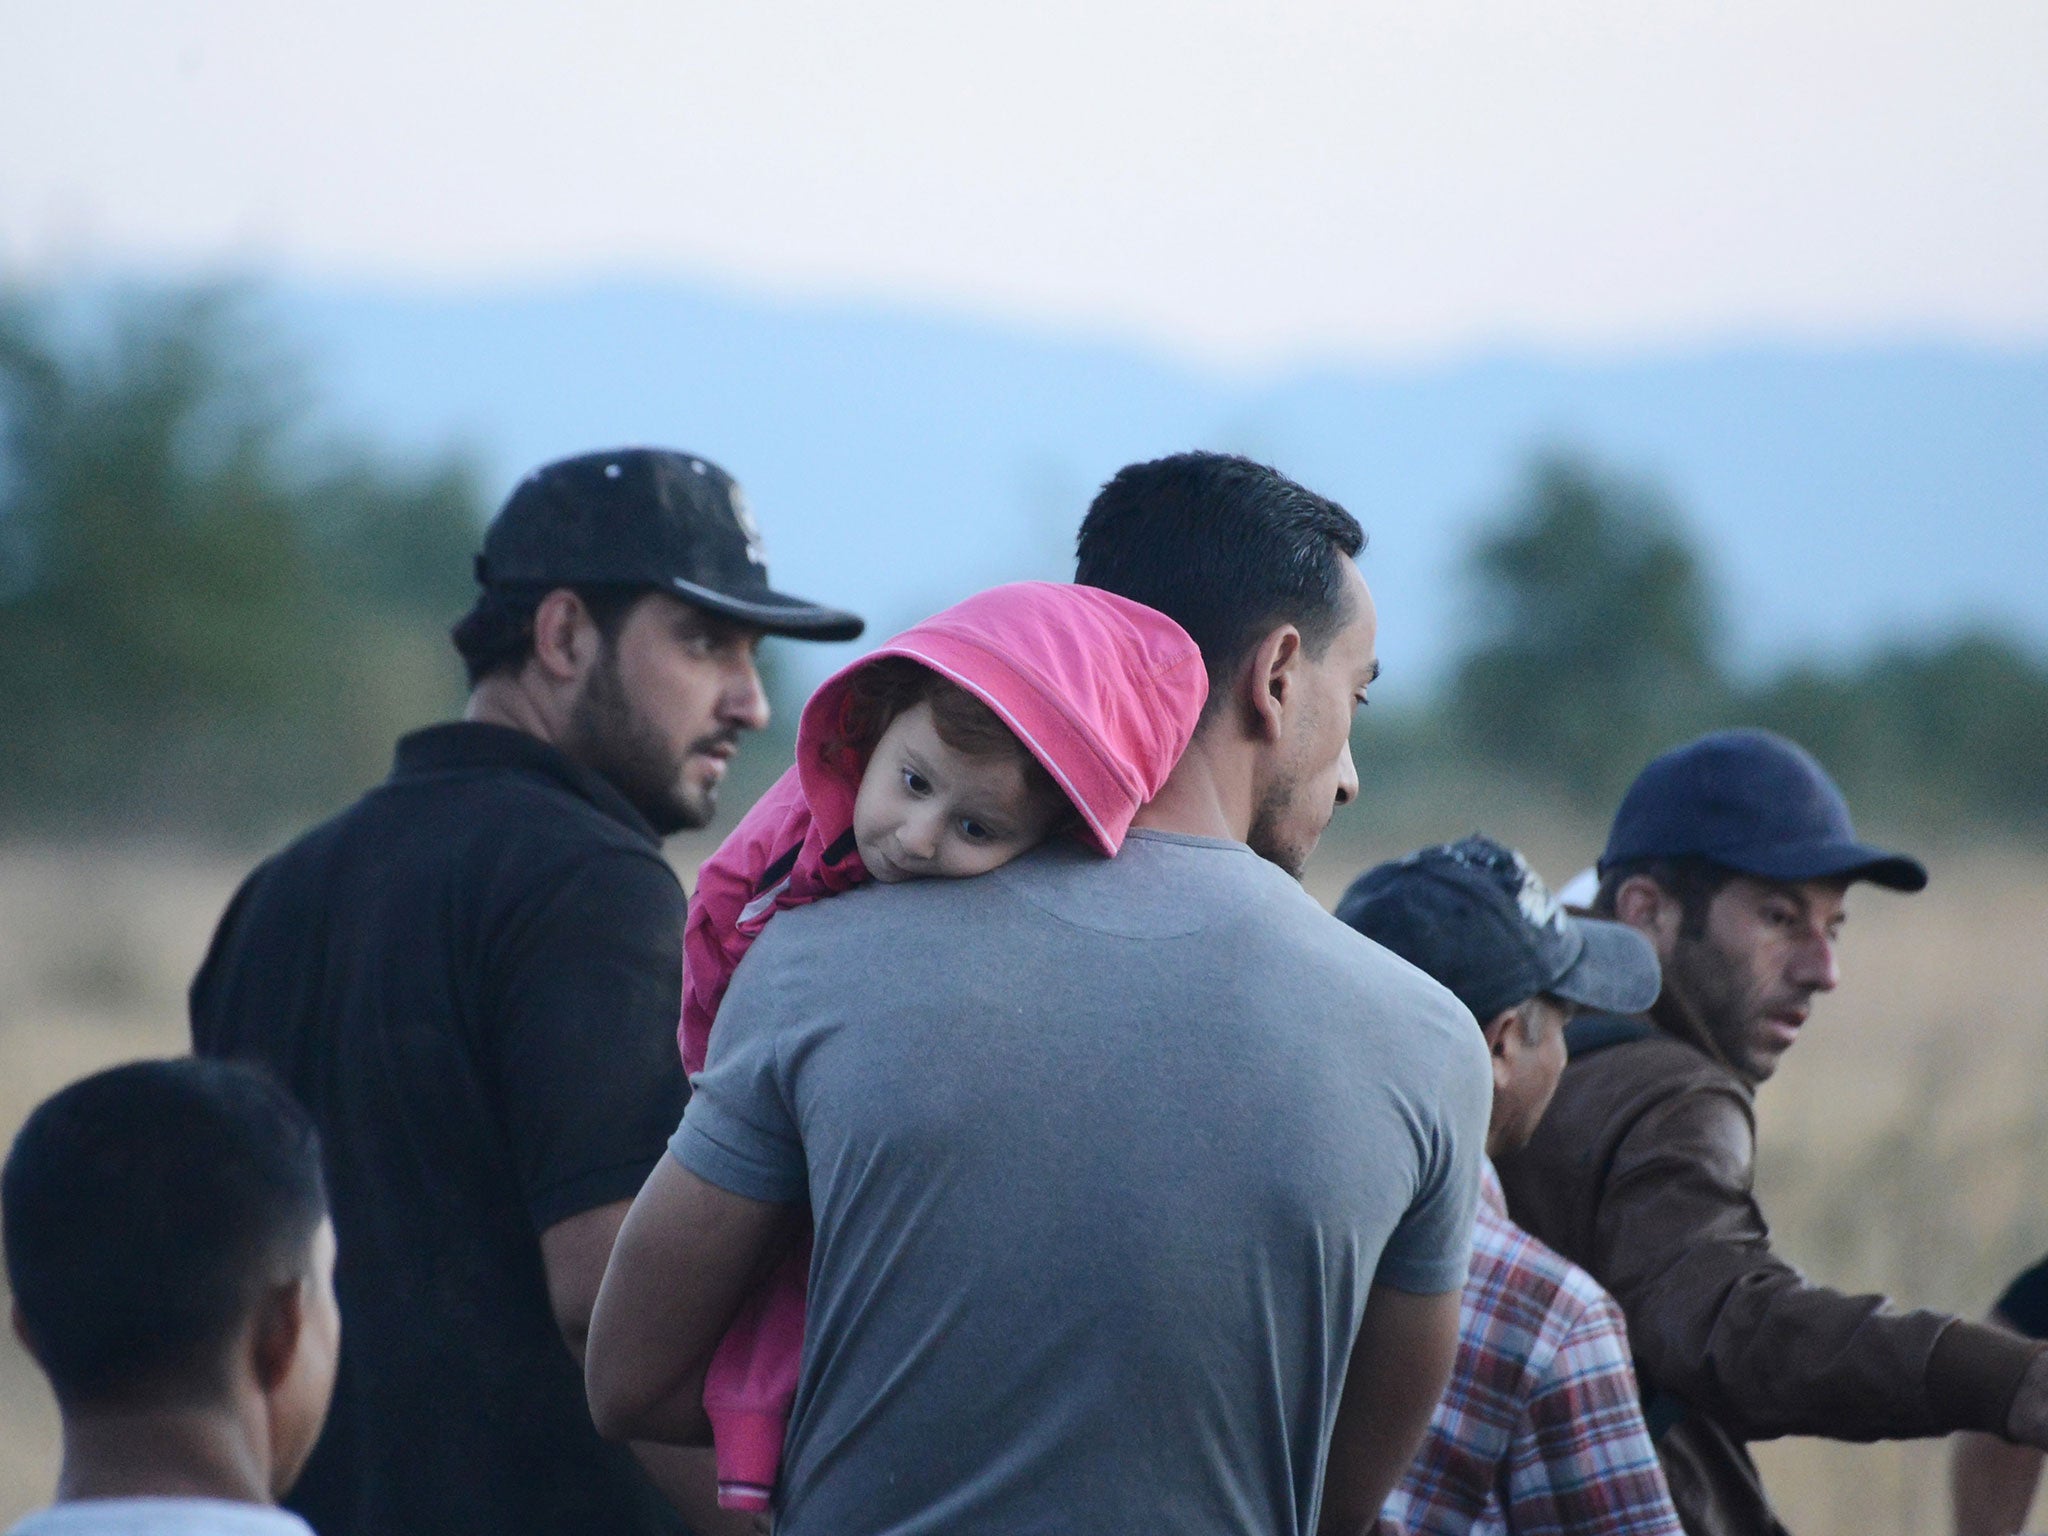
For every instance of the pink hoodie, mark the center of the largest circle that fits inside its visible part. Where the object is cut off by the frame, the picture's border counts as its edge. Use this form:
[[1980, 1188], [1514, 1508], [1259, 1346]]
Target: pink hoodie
[[1105, 693]]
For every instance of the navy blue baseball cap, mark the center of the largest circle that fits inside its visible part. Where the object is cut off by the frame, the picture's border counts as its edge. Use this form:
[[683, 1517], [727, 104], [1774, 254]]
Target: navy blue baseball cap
[[647, 517], [1474, 915], [1754, 803]]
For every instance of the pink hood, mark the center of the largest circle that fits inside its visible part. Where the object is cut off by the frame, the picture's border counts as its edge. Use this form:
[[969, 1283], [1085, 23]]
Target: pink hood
[[1105, 693]]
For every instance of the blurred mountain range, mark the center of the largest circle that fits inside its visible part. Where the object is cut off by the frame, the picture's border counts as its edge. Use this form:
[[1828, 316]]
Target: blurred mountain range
[[1845, 498]]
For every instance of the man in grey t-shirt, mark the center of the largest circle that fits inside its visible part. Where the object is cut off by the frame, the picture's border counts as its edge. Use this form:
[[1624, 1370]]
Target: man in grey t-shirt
[[1139, 1184]]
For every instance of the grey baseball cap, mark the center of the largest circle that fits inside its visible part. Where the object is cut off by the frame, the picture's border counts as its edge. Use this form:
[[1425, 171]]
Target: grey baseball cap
[[648, 517], [1475, 916]]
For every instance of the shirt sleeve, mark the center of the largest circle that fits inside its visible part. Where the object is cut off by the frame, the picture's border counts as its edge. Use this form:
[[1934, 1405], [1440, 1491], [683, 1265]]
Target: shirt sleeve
[[1581, 1460], [741, 1131], [1430, 1250], [588, 984]]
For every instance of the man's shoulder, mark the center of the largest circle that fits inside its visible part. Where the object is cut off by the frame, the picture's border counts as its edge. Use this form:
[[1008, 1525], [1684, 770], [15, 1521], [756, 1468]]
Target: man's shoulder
[[1625, 1092], [1514, 1271], [483, 858], [1630, 1113], [506, 804], [1627, 1110], [1158, 889], [1381, 996], [1645, 1065], [498, 819]]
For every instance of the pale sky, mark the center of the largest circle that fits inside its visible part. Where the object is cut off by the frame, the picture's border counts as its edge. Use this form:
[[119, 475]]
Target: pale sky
[[1234, 182]]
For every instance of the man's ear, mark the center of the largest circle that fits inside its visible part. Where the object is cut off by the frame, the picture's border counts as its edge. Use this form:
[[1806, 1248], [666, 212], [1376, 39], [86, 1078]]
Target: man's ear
[[274, 1338], [564, 637], [1496, 1030], [1650, 909], [1269, 679], [20, 1325], [1503, 1029]]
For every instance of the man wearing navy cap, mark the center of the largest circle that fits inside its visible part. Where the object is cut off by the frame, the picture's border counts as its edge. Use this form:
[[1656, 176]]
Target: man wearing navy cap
[[1733, 855], [471, 978], [1540, 1428]]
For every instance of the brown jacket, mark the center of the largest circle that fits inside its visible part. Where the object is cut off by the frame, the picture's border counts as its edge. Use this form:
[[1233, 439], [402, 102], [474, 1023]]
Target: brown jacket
[[1641, 1173]]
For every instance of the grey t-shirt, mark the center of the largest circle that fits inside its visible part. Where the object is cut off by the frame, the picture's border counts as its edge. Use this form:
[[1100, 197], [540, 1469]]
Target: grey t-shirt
[[160, 1517], [1103, 1157]]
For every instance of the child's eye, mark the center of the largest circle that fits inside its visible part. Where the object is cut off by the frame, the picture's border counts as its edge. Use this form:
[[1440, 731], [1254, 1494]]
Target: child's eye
[[916, 782], [974, 831]]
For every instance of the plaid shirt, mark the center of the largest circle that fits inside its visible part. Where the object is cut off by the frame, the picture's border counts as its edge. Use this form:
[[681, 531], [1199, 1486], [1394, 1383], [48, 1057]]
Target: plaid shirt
[[1540, 1429]]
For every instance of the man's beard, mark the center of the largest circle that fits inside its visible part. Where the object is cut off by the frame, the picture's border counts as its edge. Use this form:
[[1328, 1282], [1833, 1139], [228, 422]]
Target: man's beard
[[1711, 986], [1279, 809], [607, 735], [1271, 814]]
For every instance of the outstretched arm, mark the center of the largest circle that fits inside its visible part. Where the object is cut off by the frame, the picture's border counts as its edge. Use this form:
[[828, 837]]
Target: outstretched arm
[[685, 1258], [1722, 1322], [1399, 1366]]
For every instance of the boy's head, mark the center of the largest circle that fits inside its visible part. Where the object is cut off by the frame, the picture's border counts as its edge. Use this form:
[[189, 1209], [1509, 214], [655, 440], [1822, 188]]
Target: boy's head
[[948, 790], [169, 1250]]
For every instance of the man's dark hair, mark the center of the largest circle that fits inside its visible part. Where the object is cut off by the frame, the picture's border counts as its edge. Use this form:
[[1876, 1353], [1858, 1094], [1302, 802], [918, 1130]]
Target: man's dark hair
[[496, 635], [146, 1209], [1225, 547], [1691, 881]]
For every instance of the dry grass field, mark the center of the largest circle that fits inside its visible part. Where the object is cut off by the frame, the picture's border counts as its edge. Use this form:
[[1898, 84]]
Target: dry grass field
[[1902, 1141]]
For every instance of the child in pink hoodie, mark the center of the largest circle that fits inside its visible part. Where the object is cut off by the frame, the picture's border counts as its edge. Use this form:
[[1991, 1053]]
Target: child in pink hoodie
[[947, 752]]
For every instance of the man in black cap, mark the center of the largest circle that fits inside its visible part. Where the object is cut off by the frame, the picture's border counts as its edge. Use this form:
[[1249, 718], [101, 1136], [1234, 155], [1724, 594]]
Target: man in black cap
[[1733, 856], [472, 977], [1540, 1428]]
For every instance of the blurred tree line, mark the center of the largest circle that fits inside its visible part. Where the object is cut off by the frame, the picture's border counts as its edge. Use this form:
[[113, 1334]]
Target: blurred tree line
[[211, 619], [1598, 644], [214, 619]]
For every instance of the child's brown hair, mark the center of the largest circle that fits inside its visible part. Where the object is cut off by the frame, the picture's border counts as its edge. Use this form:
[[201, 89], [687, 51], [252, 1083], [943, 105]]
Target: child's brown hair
[[877, 694]]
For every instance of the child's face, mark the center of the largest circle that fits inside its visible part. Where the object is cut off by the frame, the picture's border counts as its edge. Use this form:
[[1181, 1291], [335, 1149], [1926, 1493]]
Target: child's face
[[927, 810]]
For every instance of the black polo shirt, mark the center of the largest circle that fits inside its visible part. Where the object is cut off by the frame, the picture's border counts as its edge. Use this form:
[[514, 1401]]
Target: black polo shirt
[[471, 977]]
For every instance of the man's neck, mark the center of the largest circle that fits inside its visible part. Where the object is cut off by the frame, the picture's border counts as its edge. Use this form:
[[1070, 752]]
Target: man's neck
[[1676, 1015], [1208, 794], [185, 1453], [505, 700]]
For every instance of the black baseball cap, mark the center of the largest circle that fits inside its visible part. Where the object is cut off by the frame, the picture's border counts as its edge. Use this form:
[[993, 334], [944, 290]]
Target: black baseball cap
[[647, 517], [1475, 916], [1754, 803]]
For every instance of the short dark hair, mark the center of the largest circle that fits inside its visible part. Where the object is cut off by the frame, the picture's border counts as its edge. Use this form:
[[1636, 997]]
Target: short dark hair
[[1224, 546], [496, 635], [1693, 882], [145, 1210]]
